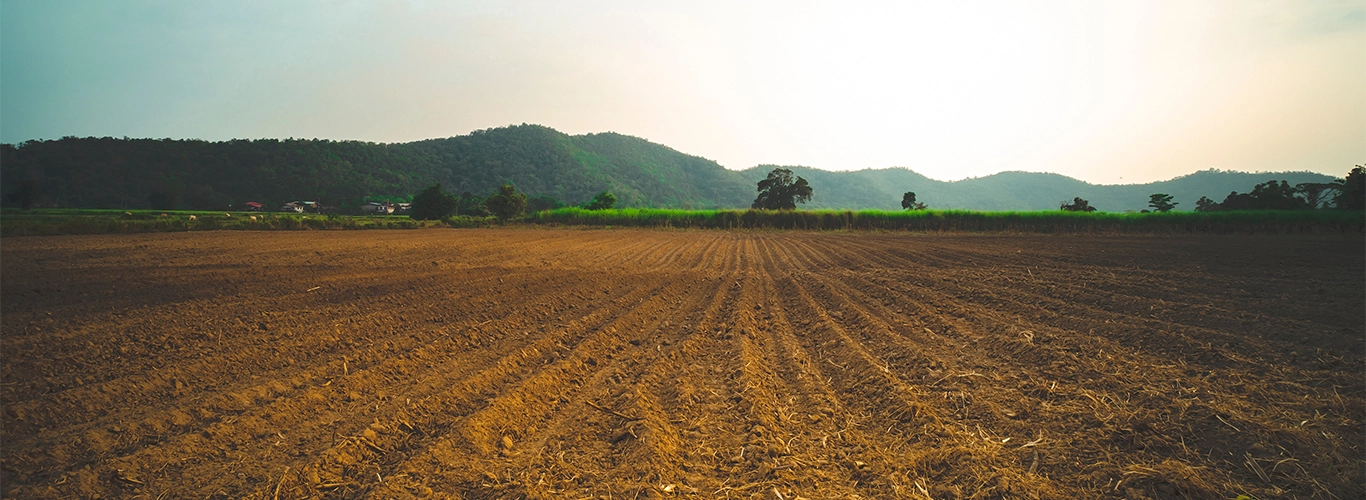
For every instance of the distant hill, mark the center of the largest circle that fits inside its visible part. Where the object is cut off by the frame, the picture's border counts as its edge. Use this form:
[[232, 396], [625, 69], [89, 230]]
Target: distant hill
[[125, 173], [543, 161], [882, 189]]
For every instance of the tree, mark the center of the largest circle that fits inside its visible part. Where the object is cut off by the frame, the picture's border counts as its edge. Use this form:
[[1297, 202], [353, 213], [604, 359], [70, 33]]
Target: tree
[[779, 192], [603, 201], [1277, 196], [507, 202], [1317, 193], [1237, 201], [167, 193], [1078, 205], [908, 202], [1161, 202], [1269, 195], [469, 204], [1204, 204], [542, 202], [204, 197], [26, 194], [1352, 194], [433, 203], [162, 200]]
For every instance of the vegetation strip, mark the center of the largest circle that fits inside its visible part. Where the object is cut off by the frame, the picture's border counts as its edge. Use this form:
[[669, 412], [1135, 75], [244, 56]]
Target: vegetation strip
[[62, 221]]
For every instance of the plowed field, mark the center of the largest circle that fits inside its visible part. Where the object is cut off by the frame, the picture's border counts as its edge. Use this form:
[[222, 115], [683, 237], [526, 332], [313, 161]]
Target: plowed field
[[707, 364]]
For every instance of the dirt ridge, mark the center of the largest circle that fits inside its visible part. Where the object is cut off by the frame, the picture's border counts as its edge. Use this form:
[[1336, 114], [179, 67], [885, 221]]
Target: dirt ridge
[[516, 363]]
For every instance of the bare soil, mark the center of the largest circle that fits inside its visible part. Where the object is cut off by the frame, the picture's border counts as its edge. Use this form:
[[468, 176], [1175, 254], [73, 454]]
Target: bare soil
[[708, 364]]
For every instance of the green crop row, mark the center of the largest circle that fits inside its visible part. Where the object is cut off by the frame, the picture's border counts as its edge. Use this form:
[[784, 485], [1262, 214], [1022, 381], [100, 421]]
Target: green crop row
[[15, 222], [1260, 221]]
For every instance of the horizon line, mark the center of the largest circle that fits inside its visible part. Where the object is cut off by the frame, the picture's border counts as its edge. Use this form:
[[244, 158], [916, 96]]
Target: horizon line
[[760, 165]]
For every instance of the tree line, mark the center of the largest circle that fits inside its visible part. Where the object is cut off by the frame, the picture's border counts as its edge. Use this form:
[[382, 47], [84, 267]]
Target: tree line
[[507, 202], [782, 190], [1348, 193], [546, 165], [194, 174]]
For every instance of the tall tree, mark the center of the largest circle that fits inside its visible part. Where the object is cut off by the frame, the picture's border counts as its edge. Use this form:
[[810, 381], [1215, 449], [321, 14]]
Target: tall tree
[[162, 200], [1352, 195], [1161, 202], [780, 192], [542, 202], [469, 204], [26, 194], [507, 202], [433, 203], [1317, 193], [1204, 204], [908, 202], [1269, 195]]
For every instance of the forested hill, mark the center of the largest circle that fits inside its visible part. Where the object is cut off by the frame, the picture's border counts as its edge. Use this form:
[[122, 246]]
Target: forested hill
[[130, 173], [882, 189], [125, 173], [540, 160]]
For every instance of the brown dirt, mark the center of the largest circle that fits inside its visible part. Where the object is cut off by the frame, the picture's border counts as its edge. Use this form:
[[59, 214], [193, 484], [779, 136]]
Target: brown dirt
[[647, 364]]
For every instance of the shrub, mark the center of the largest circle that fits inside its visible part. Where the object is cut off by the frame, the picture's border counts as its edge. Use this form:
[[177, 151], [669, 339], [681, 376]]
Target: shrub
[[1078, 205], [603, 201]]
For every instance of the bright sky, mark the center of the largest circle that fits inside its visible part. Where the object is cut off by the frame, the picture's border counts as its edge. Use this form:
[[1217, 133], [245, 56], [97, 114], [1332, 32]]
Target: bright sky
[[1107, 92]]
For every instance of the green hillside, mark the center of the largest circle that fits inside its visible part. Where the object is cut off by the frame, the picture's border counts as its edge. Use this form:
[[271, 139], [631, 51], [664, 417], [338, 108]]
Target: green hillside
[[193, 174], [542, 161], [124, 173]]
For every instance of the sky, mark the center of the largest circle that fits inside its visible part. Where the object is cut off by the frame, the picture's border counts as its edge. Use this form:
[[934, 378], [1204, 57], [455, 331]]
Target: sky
[[1103, 91]]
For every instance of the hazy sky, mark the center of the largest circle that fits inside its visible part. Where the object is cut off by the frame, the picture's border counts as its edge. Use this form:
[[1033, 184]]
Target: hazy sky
[[1103, 91]]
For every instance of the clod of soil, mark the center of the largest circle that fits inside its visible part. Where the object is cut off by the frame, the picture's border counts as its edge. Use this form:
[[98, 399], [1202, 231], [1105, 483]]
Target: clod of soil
[[570, 364]]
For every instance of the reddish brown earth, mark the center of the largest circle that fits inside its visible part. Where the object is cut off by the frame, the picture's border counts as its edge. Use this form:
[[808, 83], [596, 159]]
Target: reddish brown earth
[[647, 364]]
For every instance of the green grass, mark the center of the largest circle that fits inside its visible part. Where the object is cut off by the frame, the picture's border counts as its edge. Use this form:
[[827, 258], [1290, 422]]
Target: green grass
[[1261, 221], [14, 222]]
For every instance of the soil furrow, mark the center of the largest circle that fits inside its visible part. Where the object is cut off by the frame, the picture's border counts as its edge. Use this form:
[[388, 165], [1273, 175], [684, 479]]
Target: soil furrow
[[361, 382], [625, 363]]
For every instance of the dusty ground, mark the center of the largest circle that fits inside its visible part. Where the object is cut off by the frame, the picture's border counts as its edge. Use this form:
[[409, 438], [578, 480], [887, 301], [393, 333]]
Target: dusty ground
[[641, 364]]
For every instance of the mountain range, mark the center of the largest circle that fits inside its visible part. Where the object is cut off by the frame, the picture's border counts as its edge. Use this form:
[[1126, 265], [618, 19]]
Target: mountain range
[[1013, 190], [134, 173]]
